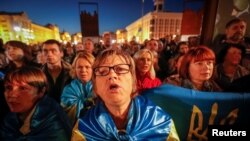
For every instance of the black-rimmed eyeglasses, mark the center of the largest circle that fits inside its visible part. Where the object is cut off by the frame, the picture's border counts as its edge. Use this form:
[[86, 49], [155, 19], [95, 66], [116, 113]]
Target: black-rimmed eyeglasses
[[118, 69]]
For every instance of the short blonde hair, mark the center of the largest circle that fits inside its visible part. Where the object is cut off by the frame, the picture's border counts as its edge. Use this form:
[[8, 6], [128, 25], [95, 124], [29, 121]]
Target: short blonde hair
[[139, 54], [116, 52], [84, 55]]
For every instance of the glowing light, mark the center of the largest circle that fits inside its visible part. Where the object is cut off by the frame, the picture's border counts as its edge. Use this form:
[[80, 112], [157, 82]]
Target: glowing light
[[113, 41], [101, 41], [137, 39], [17, 28]]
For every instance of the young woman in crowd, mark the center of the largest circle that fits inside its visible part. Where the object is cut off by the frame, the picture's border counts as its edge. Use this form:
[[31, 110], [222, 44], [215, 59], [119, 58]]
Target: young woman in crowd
[[145, 72], [18, 54], [78, 95], [33, 115]]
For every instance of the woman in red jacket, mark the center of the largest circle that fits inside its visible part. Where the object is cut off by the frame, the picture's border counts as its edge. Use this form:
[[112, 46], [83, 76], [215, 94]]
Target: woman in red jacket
[[145, 72]]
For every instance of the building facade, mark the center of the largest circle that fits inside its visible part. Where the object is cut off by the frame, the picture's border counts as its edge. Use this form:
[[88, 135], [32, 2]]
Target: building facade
[[156, 24], [121, 36], [77, 38], [17, 26], [66, 37]]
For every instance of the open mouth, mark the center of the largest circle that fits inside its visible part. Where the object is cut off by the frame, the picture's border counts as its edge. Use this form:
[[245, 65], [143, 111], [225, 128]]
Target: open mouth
[[113, 87]]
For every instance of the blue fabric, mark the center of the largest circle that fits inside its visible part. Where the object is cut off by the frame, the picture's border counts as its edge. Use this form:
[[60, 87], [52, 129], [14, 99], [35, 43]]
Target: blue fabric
[[145, 121], [1, 75], [194, 110], [48, 123], [76, 95]]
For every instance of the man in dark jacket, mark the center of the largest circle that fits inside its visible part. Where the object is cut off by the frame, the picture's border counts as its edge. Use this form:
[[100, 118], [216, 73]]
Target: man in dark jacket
[[56, 70]]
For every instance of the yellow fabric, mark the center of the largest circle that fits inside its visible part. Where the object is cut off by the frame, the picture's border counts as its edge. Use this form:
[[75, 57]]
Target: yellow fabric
[[71, 112], [76, 134], [25, 129], [173, 135]]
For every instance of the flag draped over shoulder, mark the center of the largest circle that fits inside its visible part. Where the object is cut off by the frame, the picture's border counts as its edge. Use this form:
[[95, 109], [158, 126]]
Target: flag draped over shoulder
[[192, 111]]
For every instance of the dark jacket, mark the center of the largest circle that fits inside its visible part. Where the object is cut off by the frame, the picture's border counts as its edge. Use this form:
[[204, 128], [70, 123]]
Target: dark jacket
[[4, 107], [48, 123], [55, 89], [240, 85]]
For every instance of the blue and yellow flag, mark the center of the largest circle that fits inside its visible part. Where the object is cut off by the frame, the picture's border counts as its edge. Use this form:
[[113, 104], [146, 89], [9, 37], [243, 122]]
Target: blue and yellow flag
[[192, 111]]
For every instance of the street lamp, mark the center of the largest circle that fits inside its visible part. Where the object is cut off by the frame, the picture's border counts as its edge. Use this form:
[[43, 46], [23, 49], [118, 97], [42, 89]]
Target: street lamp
[[142, 14]]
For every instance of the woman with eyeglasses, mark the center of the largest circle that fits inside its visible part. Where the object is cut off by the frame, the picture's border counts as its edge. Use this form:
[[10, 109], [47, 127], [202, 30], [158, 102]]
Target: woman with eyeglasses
[[77, 97], [119, 113]]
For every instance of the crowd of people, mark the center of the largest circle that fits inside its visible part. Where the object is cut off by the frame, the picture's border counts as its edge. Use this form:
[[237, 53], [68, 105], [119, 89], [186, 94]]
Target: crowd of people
[[94, 91]]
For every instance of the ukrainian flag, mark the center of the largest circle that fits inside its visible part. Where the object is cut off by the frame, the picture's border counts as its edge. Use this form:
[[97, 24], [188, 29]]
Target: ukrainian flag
[[192, 111]]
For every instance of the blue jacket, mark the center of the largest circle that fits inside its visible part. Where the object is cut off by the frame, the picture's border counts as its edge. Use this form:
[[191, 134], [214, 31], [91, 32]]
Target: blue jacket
[[146, 121], [76, 97]]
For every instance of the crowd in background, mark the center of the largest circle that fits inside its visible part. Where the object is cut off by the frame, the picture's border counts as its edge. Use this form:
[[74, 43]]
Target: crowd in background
[[71, 73]]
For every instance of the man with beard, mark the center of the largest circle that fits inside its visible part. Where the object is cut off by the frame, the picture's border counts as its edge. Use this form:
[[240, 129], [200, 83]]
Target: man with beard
[[241, 9], [107, 43], [235, 34]]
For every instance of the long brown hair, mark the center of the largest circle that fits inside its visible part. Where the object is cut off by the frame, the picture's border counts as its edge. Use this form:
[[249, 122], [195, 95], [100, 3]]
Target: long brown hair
[[26, 49]]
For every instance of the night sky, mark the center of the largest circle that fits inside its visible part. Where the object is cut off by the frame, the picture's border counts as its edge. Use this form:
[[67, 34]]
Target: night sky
[[113, 14]]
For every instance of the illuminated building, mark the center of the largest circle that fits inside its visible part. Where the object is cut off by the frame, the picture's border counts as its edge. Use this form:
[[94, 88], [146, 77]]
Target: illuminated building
[[17, 26], [121, 36], [156, 24], [43, 33], [77, 38], [65, 36]]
